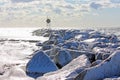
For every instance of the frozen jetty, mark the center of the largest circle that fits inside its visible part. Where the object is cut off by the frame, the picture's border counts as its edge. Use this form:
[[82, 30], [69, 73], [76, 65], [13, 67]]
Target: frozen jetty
[[76, 55], [64, 55]]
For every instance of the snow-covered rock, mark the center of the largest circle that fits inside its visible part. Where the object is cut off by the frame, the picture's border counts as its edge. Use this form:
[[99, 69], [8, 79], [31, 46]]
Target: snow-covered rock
[[55, 36], [95, 34], [70, 71], [108, 68], [2, 70], [96, 62], [102, 53], [71, 44], [113, 78], [100, 44], [40, 64], [68, 35], [62, 58], [47, 47], [82, 36], [48, 42], [15, 73], [52, 52], [39, 44], [114, 45], [113, 38], [76, 53]]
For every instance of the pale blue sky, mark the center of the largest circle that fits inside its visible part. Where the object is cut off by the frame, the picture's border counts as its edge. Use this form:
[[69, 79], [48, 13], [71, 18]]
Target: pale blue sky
[[63, 13]]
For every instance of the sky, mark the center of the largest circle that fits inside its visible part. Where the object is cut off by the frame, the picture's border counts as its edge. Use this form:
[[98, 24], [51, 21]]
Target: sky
[[63, 13]]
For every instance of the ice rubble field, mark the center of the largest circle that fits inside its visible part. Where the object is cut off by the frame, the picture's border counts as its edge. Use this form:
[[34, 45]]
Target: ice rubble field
[[66, 55]]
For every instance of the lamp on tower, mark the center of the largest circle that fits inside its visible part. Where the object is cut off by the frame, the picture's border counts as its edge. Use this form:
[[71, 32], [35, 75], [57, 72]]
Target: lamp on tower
[[48, 22]]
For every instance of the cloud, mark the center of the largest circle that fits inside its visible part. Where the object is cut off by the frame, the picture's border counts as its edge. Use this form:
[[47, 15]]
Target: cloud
[[115, 1], [20, 9], [17, 1], [57, 10], [95, 14], [71, 1], [95, 5]]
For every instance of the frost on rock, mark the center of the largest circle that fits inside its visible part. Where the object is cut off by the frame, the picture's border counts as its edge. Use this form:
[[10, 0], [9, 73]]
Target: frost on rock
[[113, 78], [40, 64], [68, 35], [108, 68], [70, 71], [71, 44], [102, 53], [15, 73], [63, 57]]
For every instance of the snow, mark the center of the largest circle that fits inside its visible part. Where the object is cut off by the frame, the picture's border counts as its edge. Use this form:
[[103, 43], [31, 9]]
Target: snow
[[105, 69], [15, 73], [20, 34], [12, 52], [89, 40], [113, 78]]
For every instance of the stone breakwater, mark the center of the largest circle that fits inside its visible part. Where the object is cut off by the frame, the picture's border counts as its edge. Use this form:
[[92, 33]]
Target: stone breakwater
[[75, 55]]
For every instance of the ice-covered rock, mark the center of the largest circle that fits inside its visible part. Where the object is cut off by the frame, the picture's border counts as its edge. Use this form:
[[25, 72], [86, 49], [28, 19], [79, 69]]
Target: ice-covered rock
[[108, 68], [46, 35], [55, 36], [18, 74], [15, 73], [76, 53], [70, 71], [103, 40], [95, 34], [102, 53], [114, 45], [40, 64], [113, 38], [90, 40], [71, 44], [52, 52], [68, 35], [42, 32], [39, 44], [96, 62], [62, 58], [47, 47], [99, 44], [82, 36], [113, 78], [2, 70]]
